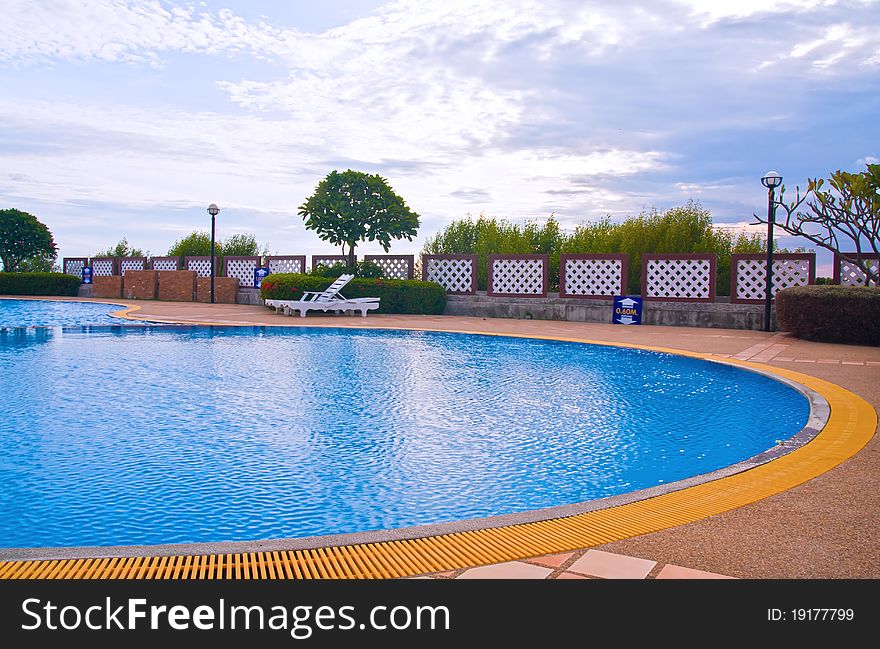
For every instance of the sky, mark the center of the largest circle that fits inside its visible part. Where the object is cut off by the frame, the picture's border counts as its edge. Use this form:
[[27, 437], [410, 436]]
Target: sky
[[125, 118]]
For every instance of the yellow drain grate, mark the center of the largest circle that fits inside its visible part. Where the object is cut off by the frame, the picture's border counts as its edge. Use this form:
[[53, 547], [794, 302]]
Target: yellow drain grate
[[851, 424]]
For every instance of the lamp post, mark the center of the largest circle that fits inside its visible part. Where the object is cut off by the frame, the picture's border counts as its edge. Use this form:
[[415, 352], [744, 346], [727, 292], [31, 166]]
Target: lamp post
[[213, 210], [771, 181]]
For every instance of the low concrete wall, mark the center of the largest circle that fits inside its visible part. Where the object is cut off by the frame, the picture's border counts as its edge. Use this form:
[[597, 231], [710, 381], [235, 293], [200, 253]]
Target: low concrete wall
[[720, 315], [248, 296]]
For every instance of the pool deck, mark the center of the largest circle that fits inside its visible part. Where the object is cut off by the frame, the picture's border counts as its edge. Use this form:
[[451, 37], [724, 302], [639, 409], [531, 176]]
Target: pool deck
[[826, 527]]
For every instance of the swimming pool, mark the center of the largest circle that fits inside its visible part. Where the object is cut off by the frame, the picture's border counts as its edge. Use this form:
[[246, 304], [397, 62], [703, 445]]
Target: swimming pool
[[56, 313], [142, 435]]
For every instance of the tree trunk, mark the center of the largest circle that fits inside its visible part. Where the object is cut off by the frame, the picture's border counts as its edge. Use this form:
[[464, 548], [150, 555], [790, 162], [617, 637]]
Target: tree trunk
[[351, 258]]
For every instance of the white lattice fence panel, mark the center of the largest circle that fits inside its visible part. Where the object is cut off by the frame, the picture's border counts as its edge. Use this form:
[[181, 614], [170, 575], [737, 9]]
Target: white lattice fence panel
[[683, 279], [751, 276], [202, 267], [852, 275], [393, 268], [327, 261], [74, 266], [164, 264], [102, 267], [518, 276], [593, 276], [286, 266], [130, 264], [242, 270], [455, 275]]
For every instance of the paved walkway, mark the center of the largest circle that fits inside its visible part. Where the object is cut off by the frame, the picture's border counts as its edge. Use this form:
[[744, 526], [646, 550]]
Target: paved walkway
[[828, 527]]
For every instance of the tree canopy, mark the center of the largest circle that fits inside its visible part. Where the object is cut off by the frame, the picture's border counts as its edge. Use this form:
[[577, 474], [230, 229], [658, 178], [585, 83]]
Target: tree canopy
[[122, 249], [351, 206], [195, 244], [243, 245], [23, 238], [843, 218], [686, 228], [198, 244]]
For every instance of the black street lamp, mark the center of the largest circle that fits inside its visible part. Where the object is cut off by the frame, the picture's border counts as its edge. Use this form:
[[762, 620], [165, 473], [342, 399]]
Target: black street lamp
[[771, 181], [213, 210]]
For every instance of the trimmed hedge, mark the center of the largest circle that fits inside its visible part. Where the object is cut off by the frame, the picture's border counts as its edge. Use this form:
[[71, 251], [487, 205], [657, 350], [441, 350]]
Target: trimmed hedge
[[361, 269], [39, 284], [834, 314], [395, 295]]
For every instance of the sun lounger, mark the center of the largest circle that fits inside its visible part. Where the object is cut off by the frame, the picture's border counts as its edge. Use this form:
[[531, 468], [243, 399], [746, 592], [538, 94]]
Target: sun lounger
[[329, 299]]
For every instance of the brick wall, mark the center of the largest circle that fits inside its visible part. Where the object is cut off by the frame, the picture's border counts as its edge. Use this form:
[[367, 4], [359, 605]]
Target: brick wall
[[225, 289], [107, 286], [177, 285], [140, 284]]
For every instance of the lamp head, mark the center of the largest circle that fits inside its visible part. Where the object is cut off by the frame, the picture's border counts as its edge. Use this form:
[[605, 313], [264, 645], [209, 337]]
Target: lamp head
[[771, 180], [213, 210]]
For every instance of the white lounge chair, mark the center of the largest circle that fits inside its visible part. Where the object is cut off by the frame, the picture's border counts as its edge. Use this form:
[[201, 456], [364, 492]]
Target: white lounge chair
[[330, 299]]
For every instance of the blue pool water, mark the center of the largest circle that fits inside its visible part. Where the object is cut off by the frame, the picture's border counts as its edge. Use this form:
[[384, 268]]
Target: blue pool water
[[143, 435], [56, 313]]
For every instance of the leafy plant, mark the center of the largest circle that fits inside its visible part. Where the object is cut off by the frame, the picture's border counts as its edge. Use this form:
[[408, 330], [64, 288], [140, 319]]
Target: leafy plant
[[486, 236], [683, 229], [24, 237], [244, 245], [122, 249], [21, 283], [367, 269], [827, 313], [195, 244], [352, 206], [848, 211]]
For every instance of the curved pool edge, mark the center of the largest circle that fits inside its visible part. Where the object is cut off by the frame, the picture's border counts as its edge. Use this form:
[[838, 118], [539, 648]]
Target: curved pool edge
[[124, 314], [850, 423]]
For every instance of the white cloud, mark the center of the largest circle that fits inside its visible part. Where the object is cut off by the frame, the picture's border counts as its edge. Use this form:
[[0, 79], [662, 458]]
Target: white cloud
[[520, 108]]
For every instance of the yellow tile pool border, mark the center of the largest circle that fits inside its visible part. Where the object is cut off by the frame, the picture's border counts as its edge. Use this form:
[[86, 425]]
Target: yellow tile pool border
[[851, 425]]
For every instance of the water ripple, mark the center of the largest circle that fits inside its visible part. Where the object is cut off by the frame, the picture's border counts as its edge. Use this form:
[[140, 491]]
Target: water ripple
[[142, 435]]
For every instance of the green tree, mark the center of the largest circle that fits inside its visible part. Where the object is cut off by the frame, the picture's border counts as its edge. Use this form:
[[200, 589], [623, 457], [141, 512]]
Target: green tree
[[39, 265], [122, 249], [686, 228], [847, 212], [24, 238], [243, 245], [195, 244], [352, 206], [490, 236]]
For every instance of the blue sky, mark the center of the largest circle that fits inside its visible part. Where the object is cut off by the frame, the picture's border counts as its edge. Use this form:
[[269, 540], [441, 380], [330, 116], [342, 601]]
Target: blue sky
[[127, 118]]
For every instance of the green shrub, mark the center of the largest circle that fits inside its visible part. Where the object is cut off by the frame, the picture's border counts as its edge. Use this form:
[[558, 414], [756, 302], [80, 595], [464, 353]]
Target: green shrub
[[39, 284], [400, 295], [684, 229], [842, 314], [290, 286], [488, 236], [395, 295], [361, 269]]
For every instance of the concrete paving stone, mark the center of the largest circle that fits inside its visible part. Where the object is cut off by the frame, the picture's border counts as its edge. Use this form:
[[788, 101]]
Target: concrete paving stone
[[552, 560], [597, 563], [508, 570]]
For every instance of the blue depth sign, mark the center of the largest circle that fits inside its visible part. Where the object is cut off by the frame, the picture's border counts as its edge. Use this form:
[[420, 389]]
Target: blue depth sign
[[87, 274], [259, 275], [627, 310]]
